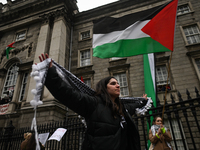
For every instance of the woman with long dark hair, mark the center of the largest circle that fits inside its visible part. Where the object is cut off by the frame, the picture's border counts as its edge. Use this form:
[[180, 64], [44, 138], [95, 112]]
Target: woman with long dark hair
[[109, 122]]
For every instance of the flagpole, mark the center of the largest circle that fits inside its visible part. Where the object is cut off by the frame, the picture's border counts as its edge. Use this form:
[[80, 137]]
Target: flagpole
[[166, 88], [169, 69]]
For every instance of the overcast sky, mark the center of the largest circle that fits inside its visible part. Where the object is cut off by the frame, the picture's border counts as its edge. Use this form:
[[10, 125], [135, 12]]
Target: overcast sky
[[84, 4]]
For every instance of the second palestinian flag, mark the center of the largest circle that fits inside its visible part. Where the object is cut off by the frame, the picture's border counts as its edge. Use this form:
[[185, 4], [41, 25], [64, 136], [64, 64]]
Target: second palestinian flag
[[8, 48], [148, 31]]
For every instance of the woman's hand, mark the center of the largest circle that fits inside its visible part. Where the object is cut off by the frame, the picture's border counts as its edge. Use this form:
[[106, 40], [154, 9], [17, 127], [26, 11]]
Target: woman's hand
[[145, 96], [42, 58], [159, 131]]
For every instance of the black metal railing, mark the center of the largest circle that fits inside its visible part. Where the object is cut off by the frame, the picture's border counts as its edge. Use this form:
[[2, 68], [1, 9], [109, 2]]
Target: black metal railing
[[185, 110], [11, 139]]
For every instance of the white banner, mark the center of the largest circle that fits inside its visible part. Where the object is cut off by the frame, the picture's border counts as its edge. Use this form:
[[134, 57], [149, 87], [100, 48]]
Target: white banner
[[3, 108]]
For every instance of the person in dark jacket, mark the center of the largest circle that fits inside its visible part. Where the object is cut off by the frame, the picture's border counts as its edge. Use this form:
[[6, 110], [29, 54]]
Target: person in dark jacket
[[109, 122]]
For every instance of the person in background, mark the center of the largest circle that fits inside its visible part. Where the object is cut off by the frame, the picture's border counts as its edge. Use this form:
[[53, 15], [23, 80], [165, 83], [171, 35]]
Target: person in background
[[5, 98], [160, 136], [29, 142], [109, 122]]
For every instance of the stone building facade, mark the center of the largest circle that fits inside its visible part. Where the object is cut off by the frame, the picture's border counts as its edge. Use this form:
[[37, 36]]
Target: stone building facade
[[57, 27]]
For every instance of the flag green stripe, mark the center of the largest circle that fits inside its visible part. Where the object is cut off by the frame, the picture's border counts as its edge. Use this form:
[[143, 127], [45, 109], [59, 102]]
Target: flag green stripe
[[149, 87], [128, 47], [7, 51]]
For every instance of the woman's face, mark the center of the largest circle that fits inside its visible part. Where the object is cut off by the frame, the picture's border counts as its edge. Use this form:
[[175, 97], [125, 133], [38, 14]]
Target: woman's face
[[158, 121], [113, 88]]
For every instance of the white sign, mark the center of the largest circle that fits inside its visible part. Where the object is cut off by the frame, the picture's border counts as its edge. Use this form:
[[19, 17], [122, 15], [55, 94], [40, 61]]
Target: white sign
[[3, 108], [58, 134], [43, 138]]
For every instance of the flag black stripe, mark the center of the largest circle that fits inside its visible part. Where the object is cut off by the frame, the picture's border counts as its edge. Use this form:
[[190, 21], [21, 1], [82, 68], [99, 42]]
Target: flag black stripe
[[108, 24]]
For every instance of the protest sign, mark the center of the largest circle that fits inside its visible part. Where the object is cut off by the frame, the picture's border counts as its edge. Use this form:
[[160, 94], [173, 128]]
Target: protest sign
[[58, 134]]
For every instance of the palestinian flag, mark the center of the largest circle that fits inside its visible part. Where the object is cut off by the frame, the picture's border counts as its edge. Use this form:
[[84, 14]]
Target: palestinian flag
[[8, 48], [147, 31], [149, 82]]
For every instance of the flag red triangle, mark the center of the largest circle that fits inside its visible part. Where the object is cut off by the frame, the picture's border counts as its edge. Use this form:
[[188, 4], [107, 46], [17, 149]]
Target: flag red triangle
[[82, 79], [11, 45], [161, 28]]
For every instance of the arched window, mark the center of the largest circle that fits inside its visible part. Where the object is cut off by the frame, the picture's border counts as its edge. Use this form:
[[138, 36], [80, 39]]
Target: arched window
[[10, 81]]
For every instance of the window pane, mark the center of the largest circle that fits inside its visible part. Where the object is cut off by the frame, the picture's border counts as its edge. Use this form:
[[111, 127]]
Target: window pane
[[197, 38], [85, 35], [23, 87], [195, 29], [192, 34], [161, 78], [186, 31], [177, 134], [88, 82], [11, 79], [85, 58], [121, 78], [198, 64], [21, 35], [183, 9]]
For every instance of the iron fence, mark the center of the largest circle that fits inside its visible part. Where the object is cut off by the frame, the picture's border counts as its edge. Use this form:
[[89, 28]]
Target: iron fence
[[12, 138], [187, 116]]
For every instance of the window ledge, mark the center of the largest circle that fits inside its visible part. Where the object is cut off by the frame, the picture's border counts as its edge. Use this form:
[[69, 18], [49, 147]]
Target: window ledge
[[185, 13], [124, 66], [117, 59], [85, 39], [82, 67], [162, 92], [191, 53], [20, 40], [189, 45], [163, 58]]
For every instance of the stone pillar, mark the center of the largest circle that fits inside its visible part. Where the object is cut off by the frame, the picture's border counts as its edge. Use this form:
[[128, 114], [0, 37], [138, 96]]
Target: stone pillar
[[57, 47], [58, 41], [42, 45]]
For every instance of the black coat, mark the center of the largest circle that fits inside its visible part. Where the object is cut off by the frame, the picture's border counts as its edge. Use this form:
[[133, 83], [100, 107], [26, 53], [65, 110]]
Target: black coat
[[104, 132]]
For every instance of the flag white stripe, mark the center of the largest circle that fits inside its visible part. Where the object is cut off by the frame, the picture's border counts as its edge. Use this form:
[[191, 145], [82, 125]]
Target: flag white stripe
[[131, 32], [152, 68]]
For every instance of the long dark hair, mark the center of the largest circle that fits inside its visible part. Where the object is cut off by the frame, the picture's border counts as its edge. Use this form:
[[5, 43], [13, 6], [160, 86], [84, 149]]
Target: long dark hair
[[101, 90], [31, 143]]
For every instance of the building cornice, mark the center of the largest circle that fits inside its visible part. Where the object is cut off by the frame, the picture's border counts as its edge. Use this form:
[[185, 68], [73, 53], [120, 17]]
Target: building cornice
[[33, 9]]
